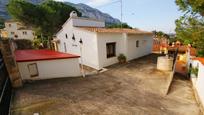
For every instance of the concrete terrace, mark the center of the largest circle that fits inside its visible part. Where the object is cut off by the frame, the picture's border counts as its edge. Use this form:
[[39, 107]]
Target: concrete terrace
[[132, 88]]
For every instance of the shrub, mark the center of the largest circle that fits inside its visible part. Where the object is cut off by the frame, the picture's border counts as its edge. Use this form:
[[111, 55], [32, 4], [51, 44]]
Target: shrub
[[200, 53], [122, 58], [194, 71], [36, 43]]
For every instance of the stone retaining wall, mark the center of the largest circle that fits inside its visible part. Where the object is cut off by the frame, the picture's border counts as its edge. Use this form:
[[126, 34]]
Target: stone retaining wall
[[7, 49]]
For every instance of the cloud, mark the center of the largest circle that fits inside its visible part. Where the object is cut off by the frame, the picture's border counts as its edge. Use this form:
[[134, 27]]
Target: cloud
[[96, 3]]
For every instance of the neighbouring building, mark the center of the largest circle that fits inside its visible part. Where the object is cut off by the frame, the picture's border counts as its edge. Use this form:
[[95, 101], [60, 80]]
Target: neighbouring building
[[99, 46], [197, 77], [46, 64], [3, 33], [17, 30]]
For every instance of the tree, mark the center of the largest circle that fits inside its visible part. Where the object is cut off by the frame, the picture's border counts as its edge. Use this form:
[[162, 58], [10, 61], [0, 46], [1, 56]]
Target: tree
[[46, 18], [124, 25], [1, 23], [190, 26], [160, 34]]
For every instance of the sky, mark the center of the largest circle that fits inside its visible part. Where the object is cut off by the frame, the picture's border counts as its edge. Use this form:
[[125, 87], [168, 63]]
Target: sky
[[147, 15]]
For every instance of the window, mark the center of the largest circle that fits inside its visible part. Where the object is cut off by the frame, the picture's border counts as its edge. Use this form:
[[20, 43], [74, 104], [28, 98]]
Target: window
[[137, 43], [73, 37], [65, 47], [12, 33], [33, 70], [66, 35], [16, 36], [110, 49], [24, 33]]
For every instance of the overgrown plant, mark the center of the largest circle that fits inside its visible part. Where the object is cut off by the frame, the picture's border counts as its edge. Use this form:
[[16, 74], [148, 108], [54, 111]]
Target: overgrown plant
[[122, 58], [194, 71], [190, 26], [36, 43]]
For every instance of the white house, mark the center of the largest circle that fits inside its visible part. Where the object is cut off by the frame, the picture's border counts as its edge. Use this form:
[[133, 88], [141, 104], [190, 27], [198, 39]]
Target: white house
[[16, 30], [46, 64], [100, 46], [198, 81]]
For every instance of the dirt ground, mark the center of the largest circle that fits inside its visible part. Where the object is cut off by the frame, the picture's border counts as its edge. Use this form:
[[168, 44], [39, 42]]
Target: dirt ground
[[135, 88]]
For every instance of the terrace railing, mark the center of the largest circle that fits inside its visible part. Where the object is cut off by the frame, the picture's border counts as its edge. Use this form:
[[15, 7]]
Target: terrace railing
[[5, 88]]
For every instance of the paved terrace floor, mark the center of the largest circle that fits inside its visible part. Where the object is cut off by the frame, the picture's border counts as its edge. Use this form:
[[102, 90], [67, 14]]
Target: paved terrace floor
[[135, 88]]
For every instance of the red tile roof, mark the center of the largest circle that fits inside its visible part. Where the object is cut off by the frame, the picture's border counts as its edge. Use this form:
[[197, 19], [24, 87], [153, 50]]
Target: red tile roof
[[115, 30], [37, 55], [199, 59]]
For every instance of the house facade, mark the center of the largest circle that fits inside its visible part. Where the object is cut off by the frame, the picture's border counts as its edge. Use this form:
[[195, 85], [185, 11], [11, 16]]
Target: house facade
[[99, 46], [16, 30]]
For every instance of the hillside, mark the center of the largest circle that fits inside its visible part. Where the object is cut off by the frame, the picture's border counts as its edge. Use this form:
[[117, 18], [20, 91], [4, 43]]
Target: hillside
[[86, 11]]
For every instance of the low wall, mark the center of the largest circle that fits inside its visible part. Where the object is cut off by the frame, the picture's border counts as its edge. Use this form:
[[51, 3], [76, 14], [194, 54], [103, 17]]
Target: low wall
[[7, 49], [198, 83]]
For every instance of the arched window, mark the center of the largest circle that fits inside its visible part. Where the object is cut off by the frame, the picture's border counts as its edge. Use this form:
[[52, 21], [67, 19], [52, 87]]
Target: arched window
[[65, 47], [137, 43]]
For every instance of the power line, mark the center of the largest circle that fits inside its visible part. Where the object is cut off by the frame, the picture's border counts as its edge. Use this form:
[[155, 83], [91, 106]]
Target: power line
[[108, 4], [121, 8]]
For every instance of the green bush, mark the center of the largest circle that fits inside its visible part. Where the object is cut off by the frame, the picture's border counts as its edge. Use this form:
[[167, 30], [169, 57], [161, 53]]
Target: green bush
[[200, 53], [194, 71], [36, 43], [122, 58]]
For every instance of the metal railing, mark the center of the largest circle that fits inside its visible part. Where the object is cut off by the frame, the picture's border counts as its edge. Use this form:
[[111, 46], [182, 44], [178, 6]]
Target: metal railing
[[5, 89]]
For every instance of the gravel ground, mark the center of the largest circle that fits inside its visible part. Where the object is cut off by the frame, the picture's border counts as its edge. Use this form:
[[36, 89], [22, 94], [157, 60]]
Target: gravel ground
[[135, 88]]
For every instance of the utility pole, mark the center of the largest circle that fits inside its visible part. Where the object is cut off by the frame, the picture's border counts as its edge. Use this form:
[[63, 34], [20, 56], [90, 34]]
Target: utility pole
[[121, 2]]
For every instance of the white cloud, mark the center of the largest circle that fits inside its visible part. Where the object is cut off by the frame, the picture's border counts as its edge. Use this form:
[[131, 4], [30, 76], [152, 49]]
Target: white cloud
[[96, 3]]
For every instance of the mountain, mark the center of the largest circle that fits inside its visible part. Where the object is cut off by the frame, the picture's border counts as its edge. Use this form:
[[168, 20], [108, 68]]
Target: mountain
[[90, 12], [86, 11]]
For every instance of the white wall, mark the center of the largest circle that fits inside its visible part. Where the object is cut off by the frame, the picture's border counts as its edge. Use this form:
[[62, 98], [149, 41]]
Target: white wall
[[145, 46], [103, 39], [12, 28], [87, 23], [89, 47], [15, 28], [199, 81], [29, 35], [125, 44], [51, 69]]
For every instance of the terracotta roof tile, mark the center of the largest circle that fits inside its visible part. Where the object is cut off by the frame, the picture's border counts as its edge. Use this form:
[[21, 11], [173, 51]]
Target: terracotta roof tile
[[115, 30], [199, 59]]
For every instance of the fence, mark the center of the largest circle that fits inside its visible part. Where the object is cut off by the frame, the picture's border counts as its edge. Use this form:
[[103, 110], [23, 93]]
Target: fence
[[5, 88]]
